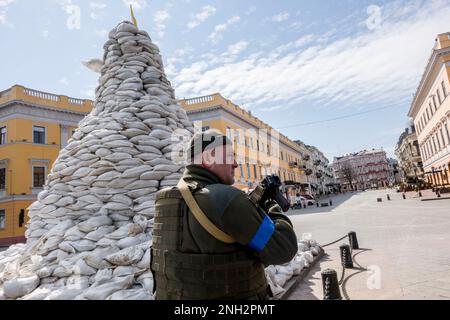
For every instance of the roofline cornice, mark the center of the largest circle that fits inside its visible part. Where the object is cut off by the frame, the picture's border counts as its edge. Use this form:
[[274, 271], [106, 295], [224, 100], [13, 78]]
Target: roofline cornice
[[418, 96]]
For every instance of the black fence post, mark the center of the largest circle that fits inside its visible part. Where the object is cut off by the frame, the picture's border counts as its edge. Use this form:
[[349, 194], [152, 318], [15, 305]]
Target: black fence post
[[353, 240], [346, 256], [330, 285]]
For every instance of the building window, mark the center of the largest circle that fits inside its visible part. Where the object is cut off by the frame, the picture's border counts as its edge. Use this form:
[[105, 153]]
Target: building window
[[439, 96], [428, 115], [249, 172], [431, 110], [255, 172], [430, 147], [434, 145], [38, 177], [421, 119], [2, 218], [448, 134], [427, 144], [442, 137], [3, 135], [434, 103], [444, 89], [205, 128], [21, 218], [38, 134], [229, 133], [242, 170], [2, 178], [438, 141]]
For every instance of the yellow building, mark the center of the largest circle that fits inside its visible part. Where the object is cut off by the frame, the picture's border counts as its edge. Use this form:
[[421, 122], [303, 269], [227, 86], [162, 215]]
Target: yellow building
[[34, 126], [260, 149]]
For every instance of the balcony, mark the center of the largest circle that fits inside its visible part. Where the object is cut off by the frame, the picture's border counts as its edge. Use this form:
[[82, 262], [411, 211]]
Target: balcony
[[21, 93], [308, 172], [293, 164], [198, 100]]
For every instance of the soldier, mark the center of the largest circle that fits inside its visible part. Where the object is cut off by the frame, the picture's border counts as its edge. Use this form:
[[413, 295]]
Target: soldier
[[209, 240]]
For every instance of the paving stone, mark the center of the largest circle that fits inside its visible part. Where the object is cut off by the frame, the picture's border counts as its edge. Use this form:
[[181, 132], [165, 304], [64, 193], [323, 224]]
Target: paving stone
[[408, 241]]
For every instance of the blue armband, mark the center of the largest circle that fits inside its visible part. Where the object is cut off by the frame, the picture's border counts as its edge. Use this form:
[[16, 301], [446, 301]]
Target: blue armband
[[263, 235]]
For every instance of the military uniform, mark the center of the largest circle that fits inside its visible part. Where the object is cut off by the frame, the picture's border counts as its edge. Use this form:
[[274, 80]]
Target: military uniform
[[189, 263]]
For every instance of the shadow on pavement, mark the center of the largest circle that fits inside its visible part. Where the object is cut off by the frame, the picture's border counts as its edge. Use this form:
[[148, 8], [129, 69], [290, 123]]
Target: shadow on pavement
[[337, 200], [304, 291]]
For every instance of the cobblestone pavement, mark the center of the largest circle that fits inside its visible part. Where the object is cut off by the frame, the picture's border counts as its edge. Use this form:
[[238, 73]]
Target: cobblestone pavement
[[406, 245]]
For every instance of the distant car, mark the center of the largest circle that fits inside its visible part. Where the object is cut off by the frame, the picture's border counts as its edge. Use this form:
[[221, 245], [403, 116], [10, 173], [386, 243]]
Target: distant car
[[307, 196], [309, 202]]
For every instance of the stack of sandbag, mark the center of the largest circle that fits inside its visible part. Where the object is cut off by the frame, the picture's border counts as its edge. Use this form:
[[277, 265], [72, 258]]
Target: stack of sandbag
[[90, 230], [278, 276]]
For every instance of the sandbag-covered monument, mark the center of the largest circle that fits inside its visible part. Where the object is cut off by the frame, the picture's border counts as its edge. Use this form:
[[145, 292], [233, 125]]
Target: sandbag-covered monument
[[90, 230]]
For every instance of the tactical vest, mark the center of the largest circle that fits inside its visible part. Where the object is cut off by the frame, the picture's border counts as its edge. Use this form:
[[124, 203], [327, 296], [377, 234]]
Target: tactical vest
[[191, 276]]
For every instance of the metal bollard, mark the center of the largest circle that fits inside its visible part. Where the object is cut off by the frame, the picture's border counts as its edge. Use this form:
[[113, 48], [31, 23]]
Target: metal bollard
[[353, 240], [331, 202], [330, 285], [420, 194], [404, 196], [379, 200], [346, 256], [388, 197]]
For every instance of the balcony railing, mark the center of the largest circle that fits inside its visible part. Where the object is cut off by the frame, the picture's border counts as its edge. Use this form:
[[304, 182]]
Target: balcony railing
[[292, 164], [18, 92], [41, 95], [76, 101], [199, 100]]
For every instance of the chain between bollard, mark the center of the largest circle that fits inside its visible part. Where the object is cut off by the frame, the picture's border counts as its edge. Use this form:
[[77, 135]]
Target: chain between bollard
[[329, 276]]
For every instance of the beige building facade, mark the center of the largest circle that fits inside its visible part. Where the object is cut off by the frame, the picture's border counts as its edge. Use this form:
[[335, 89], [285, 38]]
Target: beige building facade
[[430, 111], [408, 154], [260, 149]]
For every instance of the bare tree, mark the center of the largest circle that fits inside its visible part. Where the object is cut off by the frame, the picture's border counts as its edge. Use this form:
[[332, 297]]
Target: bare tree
[[348, 174]]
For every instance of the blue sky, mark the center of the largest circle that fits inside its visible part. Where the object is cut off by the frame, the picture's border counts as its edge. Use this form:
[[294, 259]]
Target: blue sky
[[290, 62]]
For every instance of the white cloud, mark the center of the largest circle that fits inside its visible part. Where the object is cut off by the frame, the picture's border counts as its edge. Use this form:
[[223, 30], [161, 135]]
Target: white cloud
[[296, 25], [250, 10], [103, 33], [371, 67], [88, 93], [204, 14], [137, 4], [281, 17], [64, 81], [237, 48], [4, 4], [96, 5], [216, 36], [97, 10], [3, 17], [160, 18], [44, 33]]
